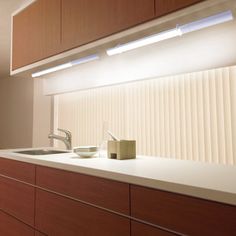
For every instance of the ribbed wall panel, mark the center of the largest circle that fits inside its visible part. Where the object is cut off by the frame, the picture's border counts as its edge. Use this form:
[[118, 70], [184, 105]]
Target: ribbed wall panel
[[190, 116]]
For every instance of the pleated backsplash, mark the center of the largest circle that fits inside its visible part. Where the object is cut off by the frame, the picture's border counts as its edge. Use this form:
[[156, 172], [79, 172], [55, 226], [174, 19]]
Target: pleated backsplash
[[190, 116]]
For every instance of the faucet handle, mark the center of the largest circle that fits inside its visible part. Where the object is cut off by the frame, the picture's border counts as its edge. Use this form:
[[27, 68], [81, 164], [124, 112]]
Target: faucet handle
[[67, 132]]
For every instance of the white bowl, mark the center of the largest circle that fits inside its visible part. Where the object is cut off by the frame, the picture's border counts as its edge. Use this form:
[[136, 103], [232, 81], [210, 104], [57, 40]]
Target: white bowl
[[85, 151]]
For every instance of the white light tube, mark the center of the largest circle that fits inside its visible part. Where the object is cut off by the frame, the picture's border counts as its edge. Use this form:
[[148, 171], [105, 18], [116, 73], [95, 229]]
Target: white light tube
[[144, 41], [178, 31], [66, 65], [50, 70], [207, 22], [84, 60]]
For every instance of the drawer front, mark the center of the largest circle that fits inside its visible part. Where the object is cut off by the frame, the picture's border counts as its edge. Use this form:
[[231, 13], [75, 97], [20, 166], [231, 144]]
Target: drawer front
[[140, 229], [17, 199], [18, 170], [187, 215], [102, 192], [37, 233], [9, 226], [60, 216]]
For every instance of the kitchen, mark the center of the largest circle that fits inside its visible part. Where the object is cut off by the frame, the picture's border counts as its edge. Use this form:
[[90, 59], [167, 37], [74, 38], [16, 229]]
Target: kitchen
[[173, 97]]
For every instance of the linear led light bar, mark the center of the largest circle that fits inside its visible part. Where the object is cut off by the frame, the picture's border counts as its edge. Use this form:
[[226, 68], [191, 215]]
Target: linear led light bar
[[207, 22], [178, 31], [66, 65], [144, 41]]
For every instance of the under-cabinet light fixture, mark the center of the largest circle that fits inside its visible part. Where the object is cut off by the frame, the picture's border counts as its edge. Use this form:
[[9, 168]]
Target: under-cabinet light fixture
[[66, 65], [207, 22], [144, 41], [178, 31]]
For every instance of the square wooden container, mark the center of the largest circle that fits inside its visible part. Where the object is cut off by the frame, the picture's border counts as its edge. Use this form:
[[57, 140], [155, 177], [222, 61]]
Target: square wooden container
[[121, 150]]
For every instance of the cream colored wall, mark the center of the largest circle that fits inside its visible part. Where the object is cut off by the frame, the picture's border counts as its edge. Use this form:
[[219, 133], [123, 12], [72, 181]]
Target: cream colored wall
[[190, 116], [42, 116], [25, 119], [16, 118]]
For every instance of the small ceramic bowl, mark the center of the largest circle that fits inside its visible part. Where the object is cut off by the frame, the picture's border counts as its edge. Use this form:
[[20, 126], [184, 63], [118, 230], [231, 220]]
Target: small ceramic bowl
[[85, 151]]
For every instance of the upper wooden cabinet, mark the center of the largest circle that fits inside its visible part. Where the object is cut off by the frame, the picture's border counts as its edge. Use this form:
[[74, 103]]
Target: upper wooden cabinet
[[85, 21], [163, 7], [49, 27], [36, 32]]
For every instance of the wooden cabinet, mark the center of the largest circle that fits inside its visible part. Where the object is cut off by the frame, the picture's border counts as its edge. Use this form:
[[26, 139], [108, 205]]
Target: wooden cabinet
[[80, 218], [18, 170], [102, 192], [183, 214], [60, 216], [10, 226], [85, 21], [17, 199], [46, 28], [37, 233], [163, 7], [36, 32], [65, 203], [140, 229]]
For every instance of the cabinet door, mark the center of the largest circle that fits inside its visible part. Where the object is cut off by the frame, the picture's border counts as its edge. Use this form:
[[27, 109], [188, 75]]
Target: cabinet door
[[183, 214], [9, 226], [164, 7], [60, 216], [140, 229], [84, 21], [37, 233], [17, 199], [114, 195], [36, 32], [17, 170]]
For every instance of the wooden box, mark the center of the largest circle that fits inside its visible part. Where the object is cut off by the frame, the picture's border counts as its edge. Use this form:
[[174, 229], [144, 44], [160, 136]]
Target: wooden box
[[123, 149]]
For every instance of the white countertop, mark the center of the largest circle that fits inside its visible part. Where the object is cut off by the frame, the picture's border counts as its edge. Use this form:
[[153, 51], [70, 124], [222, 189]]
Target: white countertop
[[207, 181]]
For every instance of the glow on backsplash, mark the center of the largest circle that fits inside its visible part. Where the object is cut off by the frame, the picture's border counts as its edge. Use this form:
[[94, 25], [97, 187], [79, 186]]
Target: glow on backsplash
[[190, 116]]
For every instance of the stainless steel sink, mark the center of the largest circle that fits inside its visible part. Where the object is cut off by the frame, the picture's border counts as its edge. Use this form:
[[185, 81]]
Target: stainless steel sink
[[36, 152]]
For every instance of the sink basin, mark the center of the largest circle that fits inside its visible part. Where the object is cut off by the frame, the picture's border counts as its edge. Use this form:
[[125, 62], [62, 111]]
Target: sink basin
[[41, 152]]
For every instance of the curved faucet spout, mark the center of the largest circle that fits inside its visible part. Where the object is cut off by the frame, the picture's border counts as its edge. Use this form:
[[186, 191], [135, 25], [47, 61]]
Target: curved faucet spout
[[65, 139]]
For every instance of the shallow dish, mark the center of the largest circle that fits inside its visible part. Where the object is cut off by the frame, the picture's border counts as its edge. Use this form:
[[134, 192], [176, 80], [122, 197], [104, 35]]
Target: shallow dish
[[85, 151]]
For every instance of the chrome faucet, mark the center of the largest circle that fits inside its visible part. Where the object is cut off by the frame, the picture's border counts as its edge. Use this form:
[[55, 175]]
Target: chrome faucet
[[65, 139]]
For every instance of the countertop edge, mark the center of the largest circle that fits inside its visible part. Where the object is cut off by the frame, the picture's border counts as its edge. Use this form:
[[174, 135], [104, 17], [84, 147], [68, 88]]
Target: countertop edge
[[193, 191]]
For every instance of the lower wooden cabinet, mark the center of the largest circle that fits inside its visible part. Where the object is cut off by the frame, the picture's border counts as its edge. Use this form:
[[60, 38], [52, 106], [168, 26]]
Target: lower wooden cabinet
[[60, 216], [37, 233], [140, 229], [17, 199], [69, 204], [10, 226], [183, 214], [114, 194], [18, 170]]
